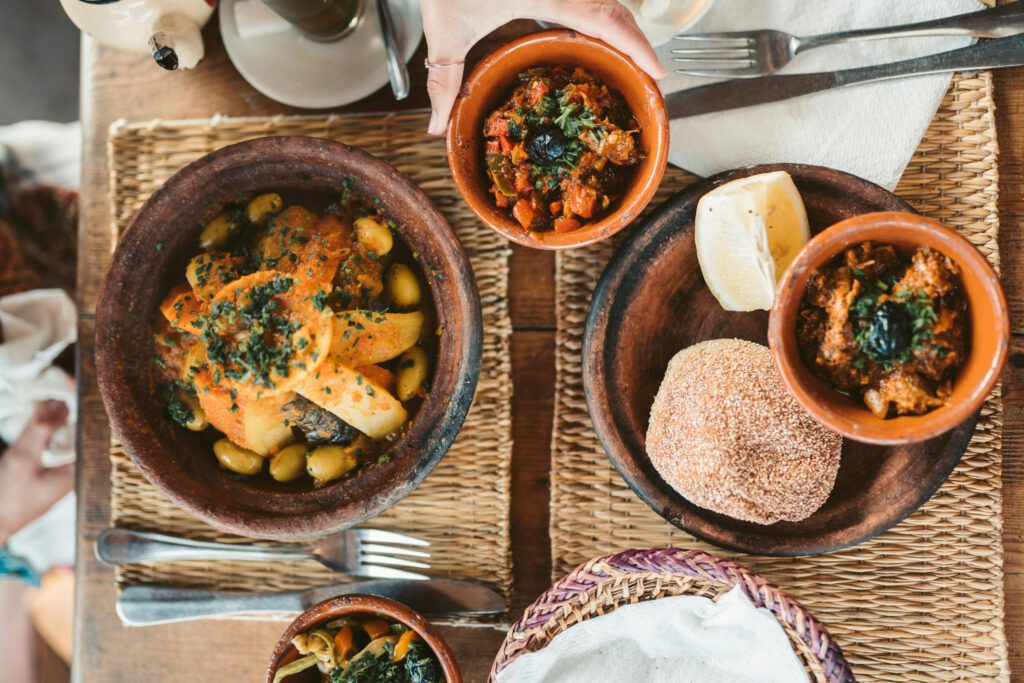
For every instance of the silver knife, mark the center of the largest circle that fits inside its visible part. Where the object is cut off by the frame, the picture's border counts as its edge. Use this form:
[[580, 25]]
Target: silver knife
[[735, 94], [150, 605]]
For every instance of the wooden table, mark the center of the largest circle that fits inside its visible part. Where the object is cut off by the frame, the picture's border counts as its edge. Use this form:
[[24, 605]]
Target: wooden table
[[116, 85]]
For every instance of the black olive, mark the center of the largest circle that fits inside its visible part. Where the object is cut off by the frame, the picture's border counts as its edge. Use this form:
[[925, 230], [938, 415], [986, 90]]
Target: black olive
[[890, 331], [546, 145]]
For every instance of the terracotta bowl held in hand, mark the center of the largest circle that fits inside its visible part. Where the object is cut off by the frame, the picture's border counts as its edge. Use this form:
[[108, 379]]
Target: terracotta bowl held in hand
[[151, 257], [988, 333], [356, 606], [491, 83]]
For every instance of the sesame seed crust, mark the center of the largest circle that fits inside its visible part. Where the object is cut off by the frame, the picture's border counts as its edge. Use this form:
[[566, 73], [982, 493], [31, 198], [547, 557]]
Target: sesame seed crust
[[726, 435]]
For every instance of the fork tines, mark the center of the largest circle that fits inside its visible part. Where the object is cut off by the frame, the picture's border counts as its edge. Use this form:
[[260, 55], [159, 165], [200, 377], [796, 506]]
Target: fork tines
[[713, 54]]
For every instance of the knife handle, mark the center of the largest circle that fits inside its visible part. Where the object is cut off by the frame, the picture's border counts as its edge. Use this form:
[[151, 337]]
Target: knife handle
[[996, 22], [151, 605], [989, 54]]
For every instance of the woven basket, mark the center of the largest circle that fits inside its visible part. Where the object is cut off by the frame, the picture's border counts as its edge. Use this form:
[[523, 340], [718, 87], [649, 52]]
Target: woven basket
[[606, 583]]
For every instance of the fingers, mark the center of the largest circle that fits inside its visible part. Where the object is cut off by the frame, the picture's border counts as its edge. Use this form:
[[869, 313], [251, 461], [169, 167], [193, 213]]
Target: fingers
[[443, 83], [47, 419], [610, 21]]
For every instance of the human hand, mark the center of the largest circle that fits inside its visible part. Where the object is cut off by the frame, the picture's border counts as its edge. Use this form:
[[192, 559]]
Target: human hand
[[27, 489], [453, 26]]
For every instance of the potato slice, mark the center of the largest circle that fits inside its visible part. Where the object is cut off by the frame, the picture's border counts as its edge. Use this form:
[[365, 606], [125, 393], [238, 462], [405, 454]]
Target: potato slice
[[183, 310], [258, 424], [209, 273], [354, 398], [271, 333], [368, 337]]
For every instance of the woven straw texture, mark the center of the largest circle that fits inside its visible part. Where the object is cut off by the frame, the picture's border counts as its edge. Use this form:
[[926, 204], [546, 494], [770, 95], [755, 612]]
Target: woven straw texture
[[463, 506], [604, 584], [922, 602]]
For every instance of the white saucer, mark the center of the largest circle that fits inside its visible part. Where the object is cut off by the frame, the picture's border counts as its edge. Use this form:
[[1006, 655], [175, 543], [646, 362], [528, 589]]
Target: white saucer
[[289, 68]]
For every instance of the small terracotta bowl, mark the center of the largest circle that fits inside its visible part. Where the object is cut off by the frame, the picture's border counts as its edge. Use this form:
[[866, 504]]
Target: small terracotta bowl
[[493, 80], [359, 605], [151, 257], [988, 334]]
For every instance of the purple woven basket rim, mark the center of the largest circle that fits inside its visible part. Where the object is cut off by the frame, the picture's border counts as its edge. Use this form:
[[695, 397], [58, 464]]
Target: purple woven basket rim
[[691, 563]]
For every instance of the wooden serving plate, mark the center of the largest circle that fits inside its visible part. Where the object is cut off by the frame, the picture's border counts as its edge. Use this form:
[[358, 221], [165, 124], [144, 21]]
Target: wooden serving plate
[[652, 302]]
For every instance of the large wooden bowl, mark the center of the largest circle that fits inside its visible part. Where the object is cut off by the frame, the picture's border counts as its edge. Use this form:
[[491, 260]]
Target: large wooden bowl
[[652, 302], [152, 255]]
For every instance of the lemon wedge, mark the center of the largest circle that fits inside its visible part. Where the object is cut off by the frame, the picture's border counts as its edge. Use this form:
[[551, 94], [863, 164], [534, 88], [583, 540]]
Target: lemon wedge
[[747, 232]]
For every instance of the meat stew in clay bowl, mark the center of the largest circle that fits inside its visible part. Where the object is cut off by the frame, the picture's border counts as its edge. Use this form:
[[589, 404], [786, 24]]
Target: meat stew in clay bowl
[[289, 337], [558, 140]]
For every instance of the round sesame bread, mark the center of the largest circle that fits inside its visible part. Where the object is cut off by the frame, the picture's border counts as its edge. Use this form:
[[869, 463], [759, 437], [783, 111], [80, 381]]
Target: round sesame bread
[[727, 436]]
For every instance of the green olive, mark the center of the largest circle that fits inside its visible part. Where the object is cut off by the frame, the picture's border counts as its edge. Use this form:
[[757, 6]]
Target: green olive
[[327, 463], [403, 286], [218, 231], [413, 366], [289, 463], [236, 458], [374, 235], [263, 206], [198, 422]]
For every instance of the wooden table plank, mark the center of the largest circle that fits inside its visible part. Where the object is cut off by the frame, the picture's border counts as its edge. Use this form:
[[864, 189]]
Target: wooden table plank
[[1009, 94], [117, 85]]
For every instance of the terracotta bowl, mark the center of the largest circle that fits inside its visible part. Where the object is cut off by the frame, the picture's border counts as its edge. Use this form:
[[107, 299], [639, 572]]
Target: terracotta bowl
[[491, 82], [359, 605], [152, 255], [652, 302], [989, 335]]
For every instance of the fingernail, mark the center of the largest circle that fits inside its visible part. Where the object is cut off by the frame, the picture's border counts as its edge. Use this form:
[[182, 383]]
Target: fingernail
[[51, 411], [432, 127]]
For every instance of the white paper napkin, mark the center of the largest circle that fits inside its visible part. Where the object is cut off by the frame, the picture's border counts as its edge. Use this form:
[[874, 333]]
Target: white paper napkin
[[683, 639], [868, 130], [36, 326]]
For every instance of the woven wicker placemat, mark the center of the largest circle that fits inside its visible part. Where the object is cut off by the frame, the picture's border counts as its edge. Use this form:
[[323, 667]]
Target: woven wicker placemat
[[463, 506], [922, 602]]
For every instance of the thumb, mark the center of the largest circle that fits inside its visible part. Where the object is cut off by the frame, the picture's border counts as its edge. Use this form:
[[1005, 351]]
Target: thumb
[[443, 83], [47, 419], [55, 482]]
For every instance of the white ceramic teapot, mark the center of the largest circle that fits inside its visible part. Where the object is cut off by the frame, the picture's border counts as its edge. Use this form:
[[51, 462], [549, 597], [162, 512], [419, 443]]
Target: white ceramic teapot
[[169, 30]]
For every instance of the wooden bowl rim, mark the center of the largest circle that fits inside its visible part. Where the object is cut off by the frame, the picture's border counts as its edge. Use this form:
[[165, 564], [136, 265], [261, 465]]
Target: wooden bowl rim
[[642, 189], [462, 355], [627, 263], [355, 604]]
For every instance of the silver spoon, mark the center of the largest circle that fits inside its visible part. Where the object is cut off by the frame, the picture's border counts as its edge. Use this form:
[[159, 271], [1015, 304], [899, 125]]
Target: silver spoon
[[397, 72]]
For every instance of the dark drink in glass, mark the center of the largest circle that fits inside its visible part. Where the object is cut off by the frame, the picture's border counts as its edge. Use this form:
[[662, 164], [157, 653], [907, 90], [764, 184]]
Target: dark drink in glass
[[323, 20]]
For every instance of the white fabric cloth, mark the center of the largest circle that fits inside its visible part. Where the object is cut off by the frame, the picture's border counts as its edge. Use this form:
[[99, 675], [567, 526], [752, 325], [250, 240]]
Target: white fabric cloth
[[36, 326], [682, 639], [868, 130], [47, 153]]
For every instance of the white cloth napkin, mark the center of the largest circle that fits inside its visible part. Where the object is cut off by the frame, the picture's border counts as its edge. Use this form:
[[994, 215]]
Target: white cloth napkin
[[868, 130], [683, 639], [36, 326]]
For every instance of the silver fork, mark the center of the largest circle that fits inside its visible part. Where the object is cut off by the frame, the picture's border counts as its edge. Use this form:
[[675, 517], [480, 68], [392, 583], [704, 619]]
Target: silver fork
[[374, 553], [748, 54]]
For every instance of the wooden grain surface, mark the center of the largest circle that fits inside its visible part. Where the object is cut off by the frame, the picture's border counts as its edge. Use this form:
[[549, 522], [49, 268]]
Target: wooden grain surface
[[117, 85]]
